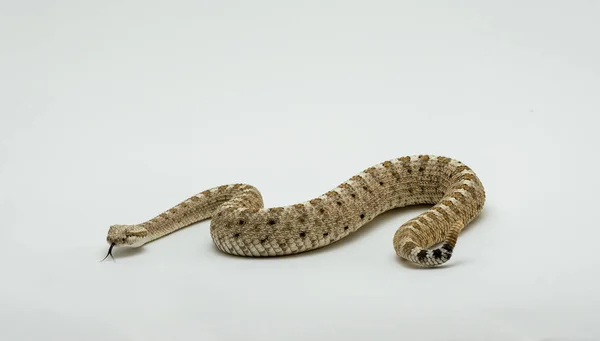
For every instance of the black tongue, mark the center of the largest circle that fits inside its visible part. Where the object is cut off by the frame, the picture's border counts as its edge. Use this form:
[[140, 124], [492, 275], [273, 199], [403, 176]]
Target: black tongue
[[109, 253]]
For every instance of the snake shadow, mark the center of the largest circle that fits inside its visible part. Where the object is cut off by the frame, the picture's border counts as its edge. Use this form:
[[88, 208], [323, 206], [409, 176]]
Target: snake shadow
[[385, 219]]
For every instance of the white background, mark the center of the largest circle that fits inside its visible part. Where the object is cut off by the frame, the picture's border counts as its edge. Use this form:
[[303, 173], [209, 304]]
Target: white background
[[113, 111]]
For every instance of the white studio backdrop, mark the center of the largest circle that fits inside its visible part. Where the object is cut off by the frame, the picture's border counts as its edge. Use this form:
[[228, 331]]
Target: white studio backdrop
[[113, 111]]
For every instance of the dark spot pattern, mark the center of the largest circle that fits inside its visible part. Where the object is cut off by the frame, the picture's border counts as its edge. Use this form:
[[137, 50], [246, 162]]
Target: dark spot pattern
[[271, 226], [447, 247]]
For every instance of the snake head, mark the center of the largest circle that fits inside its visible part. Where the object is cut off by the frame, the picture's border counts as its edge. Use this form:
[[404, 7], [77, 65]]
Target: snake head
[[127, 235]]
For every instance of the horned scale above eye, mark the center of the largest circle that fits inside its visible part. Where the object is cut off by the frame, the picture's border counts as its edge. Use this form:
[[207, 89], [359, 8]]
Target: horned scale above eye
[[242, 226]]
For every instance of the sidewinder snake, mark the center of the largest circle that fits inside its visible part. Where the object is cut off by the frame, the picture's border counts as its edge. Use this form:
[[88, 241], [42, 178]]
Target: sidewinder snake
[[242, 226]]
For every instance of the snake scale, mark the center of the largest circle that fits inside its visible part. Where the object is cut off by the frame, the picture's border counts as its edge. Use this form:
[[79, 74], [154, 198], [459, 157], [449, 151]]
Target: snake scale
[[242, 226]]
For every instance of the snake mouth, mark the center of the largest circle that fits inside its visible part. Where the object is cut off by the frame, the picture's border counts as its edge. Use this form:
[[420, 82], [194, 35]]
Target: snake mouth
[[109, 252]]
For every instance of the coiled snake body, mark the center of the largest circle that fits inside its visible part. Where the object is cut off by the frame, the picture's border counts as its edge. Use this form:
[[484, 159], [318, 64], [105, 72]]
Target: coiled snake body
[[241, 226]]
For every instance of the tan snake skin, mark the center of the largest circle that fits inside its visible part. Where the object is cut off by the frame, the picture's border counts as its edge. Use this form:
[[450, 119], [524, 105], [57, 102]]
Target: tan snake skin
[[241, 226]]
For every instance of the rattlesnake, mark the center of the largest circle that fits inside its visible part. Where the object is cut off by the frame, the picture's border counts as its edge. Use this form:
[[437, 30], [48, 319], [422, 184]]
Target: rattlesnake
[[241, 226]]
